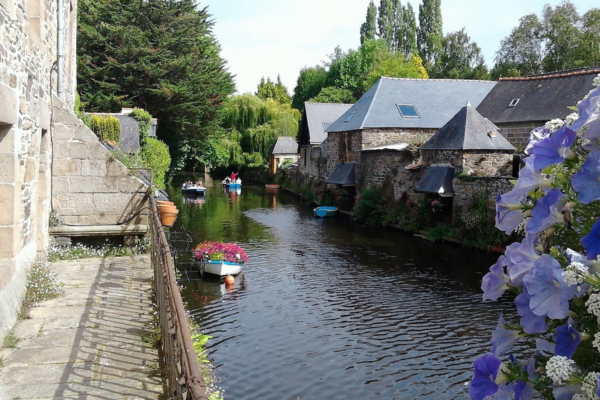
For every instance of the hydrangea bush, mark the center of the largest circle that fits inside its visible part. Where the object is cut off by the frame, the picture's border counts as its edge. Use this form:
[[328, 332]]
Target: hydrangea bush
[[219, 251], [554, 272]]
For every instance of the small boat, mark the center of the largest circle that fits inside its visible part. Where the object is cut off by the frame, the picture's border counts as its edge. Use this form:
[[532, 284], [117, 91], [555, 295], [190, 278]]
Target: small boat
[[220, 268], [232, 185], [325, 211], [272, 186], [193, 190]]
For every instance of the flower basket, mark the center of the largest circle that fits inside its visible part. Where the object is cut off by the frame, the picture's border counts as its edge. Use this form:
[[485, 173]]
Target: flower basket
[[220, 251]]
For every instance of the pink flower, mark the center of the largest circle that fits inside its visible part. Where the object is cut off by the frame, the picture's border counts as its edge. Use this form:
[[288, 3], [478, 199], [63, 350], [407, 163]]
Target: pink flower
[[230, 252]]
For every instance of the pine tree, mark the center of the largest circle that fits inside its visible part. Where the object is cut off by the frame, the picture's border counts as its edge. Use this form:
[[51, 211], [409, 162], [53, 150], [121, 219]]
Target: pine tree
[[385, 23], [409, 35], [368, 30], [429, 34]]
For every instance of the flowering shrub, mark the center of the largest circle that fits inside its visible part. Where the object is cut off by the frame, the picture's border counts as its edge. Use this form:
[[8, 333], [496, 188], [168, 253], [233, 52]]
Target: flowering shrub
[[554, 271], [219, 251]]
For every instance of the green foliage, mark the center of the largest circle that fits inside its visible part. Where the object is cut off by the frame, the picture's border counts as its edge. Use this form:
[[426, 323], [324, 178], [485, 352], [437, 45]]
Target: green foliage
[[370, 209], [460, 58], [439, 233], [144, 120], [277, 91], [310, 82], [368, 29], [156, 157], [78, 251], [106, 127], [79, 110], [157, 55], [41, 285], [334, 95], [10, 340], [430, 34]]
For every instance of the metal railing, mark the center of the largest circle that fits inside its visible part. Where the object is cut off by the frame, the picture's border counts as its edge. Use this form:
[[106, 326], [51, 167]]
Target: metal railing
[[184, 380]]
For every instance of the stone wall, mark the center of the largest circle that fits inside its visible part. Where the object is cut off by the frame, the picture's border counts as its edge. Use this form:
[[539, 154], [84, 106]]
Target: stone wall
[[90, 186], [476, 163], [28, 50], [311, 161], [382, 166], [517, 133]]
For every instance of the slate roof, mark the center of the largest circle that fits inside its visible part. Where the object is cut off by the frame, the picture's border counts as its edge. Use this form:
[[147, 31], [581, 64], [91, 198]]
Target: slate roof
[[468, 130], [435, 100], [343, 174], [314, 116], [284, 145], [541, 97], [438, 180]]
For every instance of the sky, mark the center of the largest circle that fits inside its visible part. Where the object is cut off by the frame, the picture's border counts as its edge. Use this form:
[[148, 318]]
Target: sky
[[267, 38]]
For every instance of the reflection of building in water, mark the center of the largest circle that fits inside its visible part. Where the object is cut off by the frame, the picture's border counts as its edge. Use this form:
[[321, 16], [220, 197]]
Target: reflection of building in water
[[198, 201]]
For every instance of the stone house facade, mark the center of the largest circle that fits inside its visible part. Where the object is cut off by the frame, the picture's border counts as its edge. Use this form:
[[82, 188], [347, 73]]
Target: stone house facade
[[48, 158]]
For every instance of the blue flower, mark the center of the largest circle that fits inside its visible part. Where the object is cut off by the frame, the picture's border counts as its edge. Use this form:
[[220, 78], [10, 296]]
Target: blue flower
[[587, 181], [549, 294], [530, 178], [553, 149], [530, 322], [588, 109], [485, 371], [503, 339], [537, 134], [591, 242], [522, 259], [567, 339], [510, 211], [524, 390], [565, 392], [494, 283], [547, 212]]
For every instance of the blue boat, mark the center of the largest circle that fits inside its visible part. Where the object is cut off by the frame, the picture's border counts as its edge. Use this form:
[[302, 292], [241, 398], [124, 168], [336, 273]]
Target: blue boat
[[325, 211]]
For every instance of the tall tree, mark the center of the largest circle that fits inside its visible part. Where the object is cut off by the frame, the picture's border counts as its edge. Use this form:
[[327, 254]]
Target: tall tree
[[407, 35], [562, 36], [368, 30], [160, 56], [461, 58], [589, 48], [310, 82], [385, 22], [430, 34], [270, 90]]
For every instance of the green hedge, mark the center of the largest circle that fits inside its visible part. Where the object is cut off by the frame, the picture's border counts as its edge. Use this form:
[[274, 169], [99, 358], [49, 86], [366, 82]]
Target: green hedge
[[106, 127], [156, 157]]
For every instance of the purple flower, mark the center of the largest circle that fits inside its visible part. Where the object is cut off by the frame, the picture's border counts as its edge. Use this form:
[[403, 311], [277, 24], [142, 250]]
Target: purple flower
[[509, 211], [588, 109], [530, 178], [565, 392], [544, 346], [530, 322], [591, 242], [553, 149], [494, 282], [587, 180], [598, 386], [547, 212], [485, 370], [503, 339], [524, 390], [567, 339], [549, 294], [522, 259], [537, 134]]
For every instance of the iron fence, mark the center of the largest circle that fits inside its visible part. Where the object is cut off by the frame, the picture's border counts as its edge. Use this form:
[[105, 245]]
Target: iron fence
[[184, 380]]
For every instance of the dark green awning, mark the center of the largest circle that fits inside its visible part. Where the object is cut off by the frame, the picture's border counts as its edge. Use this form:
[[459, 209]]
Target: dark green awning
[[343, 175], [438, 180]]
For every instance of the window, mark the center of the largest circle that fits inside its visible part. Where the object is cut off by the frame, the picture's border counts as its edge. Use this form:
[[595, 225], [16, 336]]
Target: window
[[349, 117], [326, 125], [513, 102], [408, 111]]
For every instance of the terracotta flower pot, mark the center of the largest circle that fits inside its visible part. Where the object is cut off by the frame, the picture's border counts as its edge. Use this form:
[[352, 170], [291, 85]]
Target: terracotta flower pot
[[162, 209], [164, 203], [168, 218]]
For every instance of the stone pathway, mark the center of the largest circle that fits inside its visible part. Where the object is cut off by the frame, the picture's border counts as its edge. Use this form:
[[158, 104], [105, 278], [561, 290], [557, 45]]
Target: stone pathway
[[90, 343]]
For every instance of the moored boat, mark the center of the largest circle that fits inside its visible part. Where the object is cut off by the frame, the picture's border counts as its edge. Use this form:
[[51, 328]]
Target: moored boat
[[193, 190], [272, 186], [220, 268], [325, 211]]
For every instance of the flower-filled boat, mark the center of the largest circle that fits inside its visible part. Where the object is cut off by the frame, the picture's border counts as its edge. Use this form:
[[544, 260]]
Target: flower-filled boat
[[219, 258]]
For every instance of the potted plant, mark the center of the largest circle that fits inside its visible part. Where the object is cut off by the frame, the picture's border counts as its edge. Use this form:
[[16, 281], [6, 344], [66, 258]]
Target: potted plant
[[220, 251]]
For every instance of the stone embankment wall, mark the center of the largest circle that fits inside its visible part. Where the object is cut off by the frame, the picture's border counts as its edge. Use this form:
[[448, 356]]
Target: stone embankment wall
[[382, 166], [90, 186], [28, 50], [312, 161]]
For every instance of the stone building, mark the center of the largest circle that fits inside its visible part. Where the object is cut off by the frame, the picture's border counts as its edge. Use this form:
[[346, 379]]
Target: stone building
[[518, 105], [316, 118], [49, 160], [395, 111], [284, 150]]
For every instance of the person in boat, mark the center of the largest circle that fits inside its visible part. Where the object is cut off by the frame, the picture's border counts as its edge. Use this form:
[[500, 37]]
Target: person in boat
[[238, 181], [199, 183], [227, 180], [233, 176]]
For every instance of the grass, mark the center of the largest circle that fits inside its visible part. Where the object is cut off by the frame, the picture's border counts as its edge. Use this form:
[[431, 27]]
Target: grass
[[10, 340], [75, 252]]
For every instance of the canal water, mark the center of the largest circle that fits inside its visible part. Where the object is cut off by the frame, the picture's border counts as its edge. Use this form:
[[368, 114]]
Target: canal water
[[325, 309]]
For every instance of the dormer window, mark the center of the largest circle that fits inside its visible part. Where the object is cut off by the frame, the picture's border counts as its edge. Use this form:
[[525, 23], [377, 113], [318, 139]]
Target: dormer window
[[408, 111], [513, 102], [348, 117]]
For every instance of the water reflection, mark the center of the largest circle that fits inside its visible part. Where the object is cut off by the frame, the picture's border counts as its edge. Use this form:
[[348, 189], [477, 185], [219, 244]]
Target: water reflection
[[327, 309]]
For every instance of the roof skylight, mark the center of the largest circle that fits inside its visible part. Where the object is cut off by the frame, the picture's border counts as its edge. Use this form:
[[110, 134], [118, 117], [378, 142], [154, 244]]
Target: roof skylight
[[349, 117], [408, 111], [513, 102]]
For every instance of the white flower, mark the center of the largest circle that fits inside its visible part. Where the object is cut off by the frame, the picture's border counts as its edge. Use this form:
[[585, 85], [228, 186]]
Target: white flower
[[571, 118], [559, 369], [589, 384], [554, 124], [596, 342], [596, 81], [593, 304], [575, 273]]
